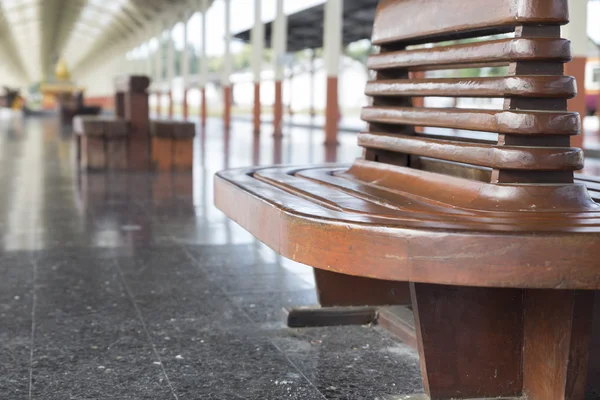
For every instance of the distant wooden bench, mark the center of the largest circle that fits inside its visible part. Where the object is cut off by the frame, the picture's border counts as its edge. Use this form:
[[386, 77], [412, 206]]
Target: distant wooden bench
[[125, 136], [497, 241], [124, 141], [172, 145], [101, 142]]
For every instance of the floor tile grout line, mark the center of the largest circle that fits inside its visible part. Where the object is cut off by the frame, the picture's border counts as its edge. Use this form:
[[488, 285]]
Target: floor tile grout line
[[31, 349], [144, 326], [293, 364], [192, 258]]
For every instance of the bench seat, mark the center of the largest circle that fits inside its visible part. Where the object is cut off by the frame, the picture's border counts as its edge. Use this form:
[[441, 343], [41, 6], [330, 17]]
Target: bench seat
[[493, 235], [101, 142], [327, 217], [172, 145]]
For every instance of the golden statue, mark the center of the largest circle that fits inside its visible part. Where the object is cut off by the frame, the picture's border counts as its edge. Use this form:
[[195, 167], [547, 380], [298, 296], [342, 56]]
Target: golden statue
[[61, 89], [61, 73]]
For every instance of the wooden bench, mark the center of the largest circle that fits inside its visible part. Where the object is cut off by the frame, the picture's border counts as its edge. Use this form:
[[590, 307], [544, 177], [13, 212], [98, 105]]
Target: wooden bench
[[493, 240], [129, 148], [172, 145], [102, 142]]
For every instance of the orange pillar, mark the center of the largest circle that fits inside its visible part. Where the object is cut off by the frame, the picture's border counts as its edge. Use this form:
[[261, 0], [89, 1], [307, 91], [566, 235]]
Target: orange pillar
[[279, 41], [158, 105], [185, 104], [576, 68], [257, 107], [332, 111], [278, 110], [227, 107], [257, 37], [203, 106], [332, 45], [576, 32], [227, 68], [203, 65]]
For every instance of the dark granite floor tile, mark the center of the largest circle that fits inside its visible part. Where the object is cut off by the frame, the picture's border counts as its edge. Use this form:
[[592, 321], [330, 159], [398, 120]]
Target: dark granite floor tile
[[144, 290], [16, 302], [352, 362], [279, 280], [126, 371], [268, 306], [199, 364]]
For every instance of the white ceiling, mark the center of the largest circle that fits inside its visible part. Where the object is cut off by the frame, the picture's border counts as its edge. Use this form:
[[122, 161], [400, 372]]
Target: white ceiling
[[35, 33]]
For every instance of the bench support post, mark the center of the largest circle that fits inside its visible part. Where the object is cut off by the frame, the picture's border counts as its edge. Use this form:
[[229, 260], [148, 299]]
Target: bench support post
[[347, 300], [490, 343], [334, 289]]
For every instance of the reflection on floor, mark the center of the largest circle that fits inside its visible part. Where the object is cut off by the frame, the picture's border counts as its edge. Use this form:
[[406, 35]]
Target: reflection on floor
[[133, 286]]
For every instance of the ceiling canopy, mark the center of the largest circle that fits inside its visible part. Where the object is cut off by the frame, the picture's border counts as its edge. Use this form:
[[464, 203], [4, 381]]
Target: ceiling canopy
[[36, 33]]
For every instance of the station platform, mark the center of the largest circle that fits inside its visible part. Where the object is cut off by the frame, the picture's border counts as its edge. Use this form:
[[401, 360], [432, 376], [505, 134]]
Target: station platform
[[133, 286]]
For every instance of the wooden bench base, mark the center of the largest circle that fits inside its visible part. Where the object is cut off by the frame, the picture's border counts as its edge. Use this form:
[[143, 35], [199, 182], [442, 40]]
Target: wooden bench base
[[99, 153], [101, 143], [482, 343], [173, 154]]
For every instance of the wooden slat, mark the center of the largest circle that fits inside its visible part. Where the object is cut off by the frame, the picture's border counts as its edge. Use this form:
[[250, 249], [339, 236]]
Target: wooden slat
[[510, 86], [439, 19], [492, 52], [504, 122], [500, 157]]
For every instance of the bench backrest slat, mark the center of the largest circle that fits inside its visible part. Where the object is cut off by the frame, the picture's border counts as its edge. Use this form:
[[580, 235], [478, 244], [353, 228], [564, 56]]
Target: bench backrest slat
[[417, 21], [532, 126]]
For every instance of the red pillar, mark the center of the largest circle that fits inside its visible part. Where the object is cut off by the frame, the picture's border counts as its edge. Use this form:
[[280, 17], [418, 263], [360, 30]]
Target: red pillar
[[331, 111], [170, 97]]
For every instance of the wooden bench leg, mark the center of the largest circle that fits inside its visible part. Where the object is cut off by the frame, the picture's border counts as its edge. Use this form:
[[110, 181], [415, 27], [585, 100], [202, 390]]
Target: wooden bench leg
[[347, 300], [335, 289], [490, 343], [162, 153], [183, 154], [93, 153], [593, 380], [78, 150], [116, 154]]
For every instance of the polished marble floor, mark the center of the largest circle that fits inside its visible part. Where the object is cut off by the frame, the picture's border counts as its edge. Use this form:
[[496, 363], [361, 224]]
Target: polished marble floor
[[133, 286]]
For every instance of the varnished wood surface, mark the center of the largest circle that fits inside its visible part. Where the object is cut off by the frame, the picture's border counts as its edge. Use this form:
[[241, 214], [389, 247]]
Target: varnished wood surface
[[426, 20], [514, 122], [172, 129], [493, 52], [357, 228], [536, 158], [486, 228], [514, 86]]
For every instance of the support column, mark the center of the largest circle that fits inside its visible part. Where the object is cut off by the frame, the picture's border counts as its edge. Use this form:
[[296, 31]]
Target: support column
[[203, 65], [185, 65], [149, 64], [227, 68], [258, 44], [280, 38], [332, 46], [170, 69], [576, 32], [148, 68], [313, 58], [159, 71]]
